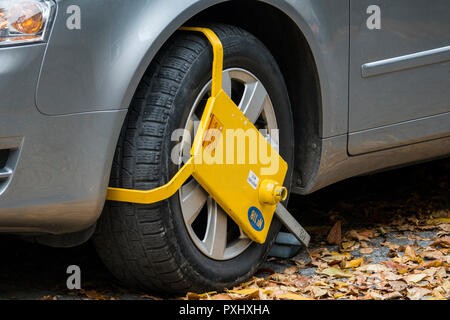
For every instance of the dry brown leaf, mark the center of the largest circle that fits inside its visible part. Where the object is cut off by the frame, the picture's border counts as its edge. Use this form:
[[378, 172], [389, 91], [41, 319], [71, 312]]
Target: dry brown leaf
[[352, 264], [337, 257], [441, 242], [373, 268], [49, 298], [293, 296], [252, 281], [419, 260], [392, 254], [400, 268], [417, 293], [318, 292], [197, 296], [146, 296], [279, 277], [406, 227], [415, 277], [291, 270], [257, 295], [340, 284], [335, 272], [409, 252], [367, 233], [221, 296], [322, 283], [392, 295], [340, 295], [348, 245], [320, 264], [300, 282], [391, 246], [390, 276], [375, 295], [318, 252], [269, 290], [335, 235], [353, 234], [438, 221], [244, 292], [300, 264], [445, 227], [430, 272], [433, 264], [441, 273], [438, 293], [92, 294], [366, 250], [289, 288], [398, 285], [446, 286]]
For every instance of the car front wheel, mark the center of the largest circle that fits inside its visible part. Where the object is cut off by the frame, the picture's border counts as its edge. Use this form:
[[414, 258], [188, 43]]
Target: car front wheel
[[188, 243]]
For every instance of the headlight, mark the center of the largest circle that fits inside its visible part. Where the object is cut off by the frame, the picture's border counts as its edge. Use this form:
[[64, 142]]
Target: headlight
[[24, 21]]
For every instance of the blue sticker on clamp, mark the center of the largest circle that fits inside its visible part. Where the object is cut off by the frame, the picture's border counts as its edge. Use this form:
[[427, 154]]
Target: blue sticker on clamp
[[256, 218]]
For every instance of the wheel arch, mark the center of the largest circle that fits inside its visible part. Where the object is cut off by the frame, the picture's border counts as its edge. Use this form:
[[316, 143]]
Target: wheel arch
[[297, 54]]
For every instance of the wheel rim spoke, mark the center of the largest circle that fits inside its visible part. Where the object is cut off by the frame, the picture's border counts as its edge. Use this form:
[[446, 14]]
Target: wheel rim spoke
[[226, 82], [216, 232], [252, 104], [242, 235], [194, 198]]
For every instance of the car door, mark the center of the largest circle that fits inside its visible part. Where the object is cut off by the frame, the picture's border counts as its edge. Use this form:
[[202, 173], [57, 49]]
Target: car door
[[399, 73]]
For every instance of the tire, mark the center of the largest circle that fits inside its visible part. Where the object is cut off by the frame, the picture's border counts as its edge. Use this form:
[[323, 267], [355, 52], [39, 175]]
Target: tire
[[148, 246]]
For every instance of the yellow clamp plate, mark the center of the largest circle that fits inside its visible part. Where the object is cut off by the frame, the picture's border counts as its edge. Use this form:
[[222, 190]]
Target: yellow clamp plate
[[230, 159], [232, 168]]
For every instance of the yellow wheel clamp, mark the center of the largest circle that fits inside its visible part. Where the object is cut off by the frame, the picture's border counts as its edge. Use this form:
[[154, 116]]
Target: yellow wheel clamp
[[247, 192]]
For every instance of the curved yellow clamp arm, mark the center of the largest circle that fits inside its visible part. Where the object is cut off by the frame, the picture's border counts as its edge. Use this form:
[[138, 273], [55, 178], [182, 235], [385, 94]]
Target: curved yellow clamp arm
[[218, 57], [154, 195], [169, 189]]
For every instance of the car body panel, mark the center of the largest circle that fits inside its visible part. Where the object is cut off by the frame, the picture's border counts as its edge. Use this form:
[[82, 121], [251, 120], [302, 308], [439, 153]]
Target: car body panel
[[396, 135], [59, 179], [399, 74], [337, 165]]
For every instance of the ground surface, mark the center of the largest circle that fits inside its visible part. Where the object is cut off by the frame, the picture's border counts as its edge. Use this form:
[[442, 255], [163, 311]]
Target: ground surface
[[392, 229]]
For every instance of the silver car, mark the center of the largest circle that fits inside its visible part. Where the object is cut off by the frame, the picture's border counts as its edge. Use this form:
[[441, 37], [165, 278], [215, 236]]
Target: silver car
[[91, 93]]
